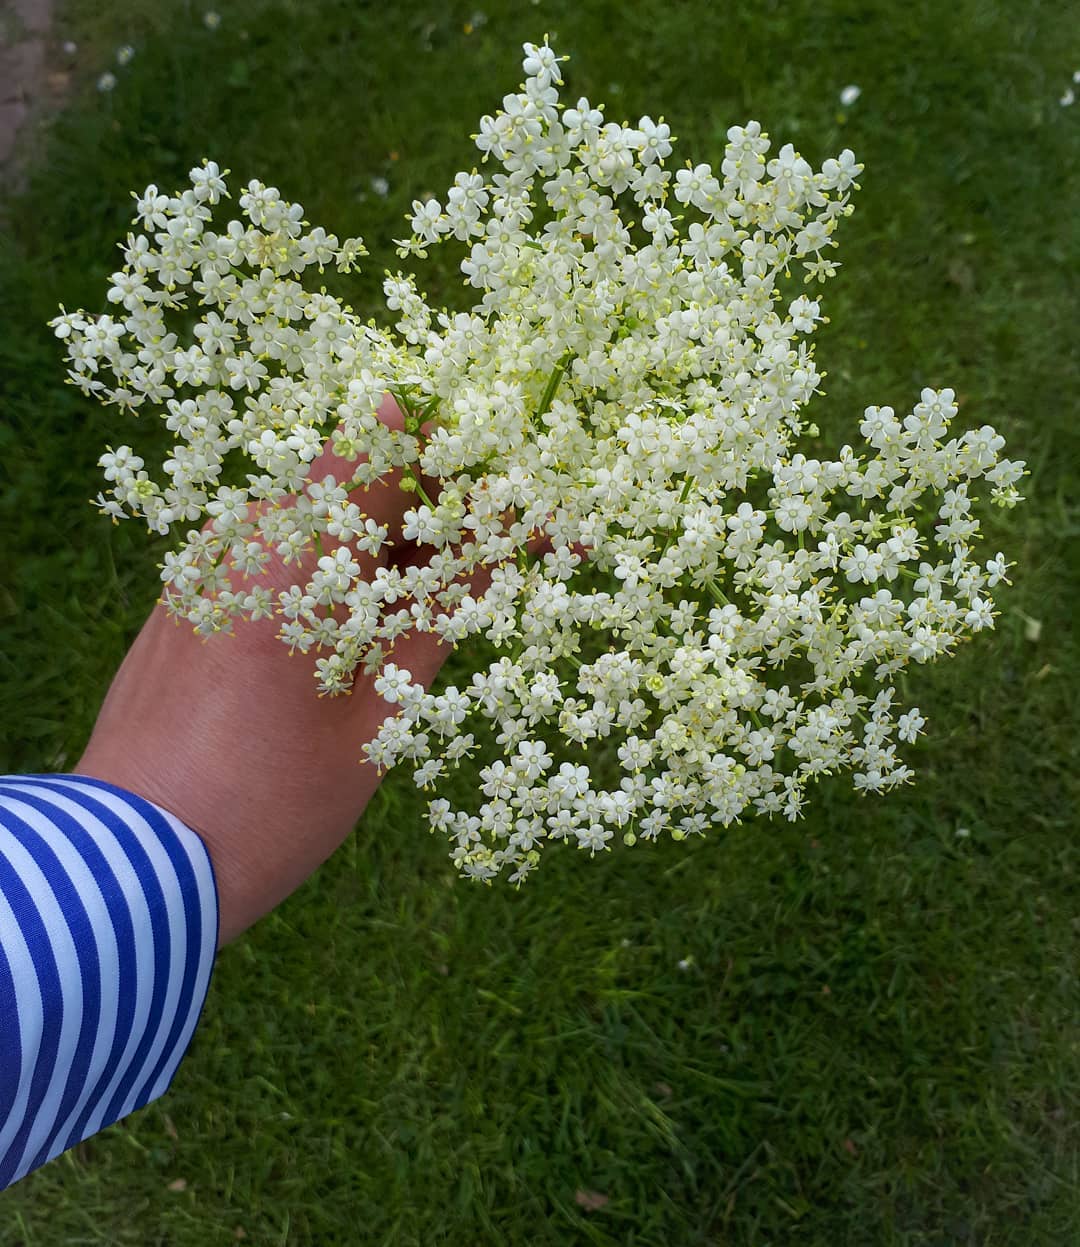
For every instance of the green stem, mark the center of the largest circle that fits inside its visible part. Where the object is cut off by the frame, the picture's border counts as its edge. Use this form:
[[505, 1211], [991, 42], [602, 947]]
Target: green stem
[[419, 487], [687, 485], [557, 374], [717, 593], [524, 559]]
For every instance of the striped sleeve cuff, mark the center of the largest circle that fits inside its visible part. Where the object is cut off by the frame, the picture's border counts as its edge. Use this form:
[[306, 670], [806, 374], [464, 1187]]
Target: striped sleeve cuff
[[108, 931]]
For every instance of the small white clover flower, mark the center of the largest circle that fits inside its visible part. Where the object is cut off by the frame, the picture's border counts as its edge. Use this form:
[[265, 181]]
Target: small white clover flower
[[211, 19], [125, 54], [849, 95], [106, 81]]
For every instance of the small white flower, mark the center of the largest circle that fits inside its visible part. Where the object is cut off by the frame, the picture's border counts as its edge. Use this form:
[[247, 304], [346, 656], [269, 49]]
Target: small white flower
[[997, 568], [980, 615], [393, 684], [70, 47], [124, 54], [211, 19], [106, 82], [1068, 98], [849, 95], [629, 383]]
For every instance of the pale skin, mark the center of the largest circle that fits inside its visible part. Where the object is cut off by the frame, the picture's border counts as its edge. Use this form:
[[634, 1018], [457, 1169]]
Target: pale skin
[[228, 733]]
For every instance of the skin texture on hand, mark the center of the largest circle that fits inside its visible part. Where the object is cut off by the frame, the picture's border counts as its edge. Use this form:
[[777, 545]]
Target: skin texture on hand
[[228, 733]]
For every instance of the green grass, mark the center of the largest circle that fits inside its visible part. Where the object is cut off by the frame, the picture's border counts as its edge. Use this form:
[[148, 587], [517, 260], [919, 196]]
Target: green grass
[[877, 1040]]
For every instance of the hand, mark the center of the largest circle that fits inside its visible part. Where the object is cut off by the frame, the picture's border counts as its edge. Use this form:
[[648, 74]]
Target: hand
[[228, 733]]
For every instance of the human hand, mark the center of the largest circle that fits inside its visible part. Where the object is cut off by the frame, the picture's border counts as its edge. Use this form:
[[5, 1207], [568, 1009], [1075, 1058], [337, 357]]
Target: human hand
[[227, 733]]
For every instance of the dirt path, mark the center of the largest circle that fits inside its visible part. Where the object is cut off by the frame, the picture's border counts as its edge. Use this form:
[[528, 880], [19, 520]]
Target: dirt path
[[25, 81]]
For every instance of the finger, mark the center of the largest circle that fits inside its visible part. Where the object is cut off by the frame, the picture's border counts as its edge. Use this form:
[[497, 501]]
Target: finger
[[386, 499], [423, 653], [382, 500]]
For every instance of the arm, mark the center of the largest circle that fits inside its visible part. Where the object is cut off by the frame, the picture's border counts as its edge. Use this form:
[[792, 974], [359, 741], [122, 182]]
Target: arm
[[214, 783], [108, 928]]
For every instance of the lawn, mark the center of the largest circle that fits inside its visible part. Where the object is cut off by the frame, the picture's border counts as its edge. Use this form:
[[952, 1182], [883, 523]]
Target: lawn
[[863, 1028]]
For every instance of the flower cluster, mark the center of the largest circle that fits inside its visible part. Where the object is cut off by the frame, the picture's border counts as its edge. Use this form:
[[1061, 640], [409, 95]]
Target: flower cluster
[[725, 612]]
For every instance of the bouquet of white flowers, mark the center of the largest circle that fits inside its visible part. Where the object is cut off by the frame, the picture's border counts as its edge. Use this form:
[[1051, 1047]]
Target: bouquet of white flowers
[[727, 612]]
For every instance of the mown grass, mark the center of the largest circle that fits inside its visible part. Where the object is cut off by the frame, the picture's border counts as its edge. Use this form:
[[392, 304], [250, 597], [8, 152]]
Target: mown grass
[[876, 1039]]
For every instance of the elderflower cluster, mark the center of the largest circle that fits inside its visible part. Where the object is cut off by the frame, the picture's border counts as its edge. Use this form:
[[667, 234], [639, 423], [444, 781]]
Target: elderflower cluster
[[722, 614]]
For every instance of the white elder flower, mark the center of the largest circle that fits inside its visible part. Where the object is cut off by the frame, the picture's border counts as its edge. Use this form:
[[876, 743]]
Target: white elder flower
[[862, 565], [980, 615], [840, 172], [542, 64], [696, 185], [983, 446], [393, 683], [910, 724], [656, 140], [997, 567], [426, 219], [726, 613]]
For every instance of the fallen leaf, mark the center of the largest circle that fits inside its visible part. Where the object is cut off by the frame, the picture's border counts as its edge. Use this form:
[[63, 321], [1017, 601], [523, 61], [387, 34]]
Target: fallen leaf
[[590, 1200], [170, 1129], [662, 1088], [178, 1184]]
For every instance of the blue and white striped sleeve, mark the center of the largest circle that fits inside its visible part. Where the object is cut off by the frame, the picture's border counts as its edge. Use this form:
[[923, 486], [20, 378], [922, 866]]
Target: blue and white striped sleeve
[[108, 931]]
